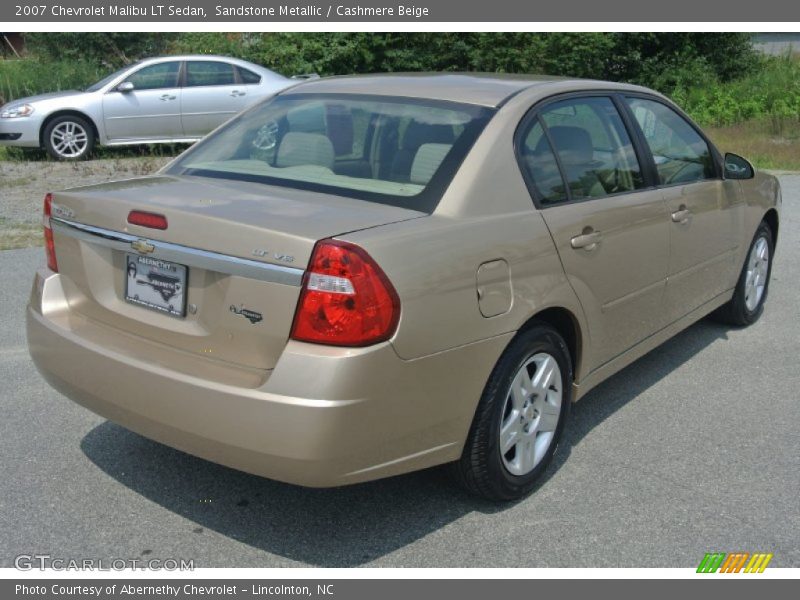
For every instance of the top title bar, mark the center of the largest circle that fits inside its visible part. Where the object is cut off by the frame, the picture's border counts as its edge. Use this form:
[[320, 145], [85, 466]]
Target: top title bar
[[459, 11]]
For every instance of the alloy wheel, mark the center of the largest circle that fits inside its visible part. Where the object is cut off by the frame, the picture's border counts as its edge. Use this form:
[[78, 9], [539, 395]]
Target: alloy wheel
[[757, 272], [69, 139], [530, 415]]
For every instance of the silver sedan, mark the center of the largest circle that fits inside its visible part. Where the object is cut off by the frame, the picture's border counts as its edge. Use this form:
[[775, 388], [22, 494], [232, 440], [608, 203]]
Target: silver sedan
[[170, 99]]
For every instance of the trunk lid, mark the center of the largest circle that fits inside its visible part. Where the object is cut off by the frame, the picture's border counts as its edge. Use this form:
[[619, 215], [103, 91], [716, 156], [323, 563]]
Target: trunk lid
[[245, 247]]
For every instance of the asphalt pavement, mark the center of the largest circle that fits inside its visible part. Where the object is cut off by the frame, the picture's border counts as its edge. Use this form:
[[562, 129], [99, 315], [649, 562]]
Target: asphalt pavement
[[692, 449]]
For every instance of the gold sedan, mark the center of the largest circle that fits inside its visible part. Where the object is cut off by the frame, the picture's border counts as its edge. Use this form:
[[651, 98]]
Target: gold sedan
[[364, 276]]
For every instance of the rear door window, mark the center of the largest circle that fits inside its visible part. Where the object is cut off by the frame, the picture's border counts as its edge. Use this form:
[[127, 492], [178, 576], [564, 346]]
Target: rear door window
[[206, 72], [248, 77], [594, 150], [539, 162]]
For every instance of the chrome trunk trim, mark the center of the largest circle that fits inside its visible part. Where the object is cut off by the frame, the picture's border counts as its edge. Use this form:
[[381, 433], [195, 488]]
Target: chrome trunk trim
[[184, 255]]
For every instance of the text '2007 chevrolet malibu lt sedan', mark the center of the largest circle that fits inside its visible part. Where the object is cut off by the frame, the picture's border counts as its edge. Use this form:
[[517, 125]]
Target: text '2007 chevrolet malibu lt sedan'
[[366, 276]]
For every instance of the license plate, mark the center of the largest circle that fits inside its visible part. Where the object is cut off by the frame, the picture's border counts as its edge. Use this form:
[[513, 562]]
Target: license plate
[[156, 284]]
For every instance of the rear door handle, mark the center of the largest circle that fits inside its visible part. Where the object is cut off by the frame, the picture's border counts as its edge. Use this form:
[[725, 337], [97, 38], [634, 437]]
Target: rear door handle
[[236, 93], [682, 215], [588, 240]]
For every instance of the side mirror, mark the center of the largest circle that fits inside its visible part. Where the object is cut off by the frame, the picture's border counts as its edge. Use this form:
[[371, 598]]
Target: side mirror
[[125, 86], [737, 167]]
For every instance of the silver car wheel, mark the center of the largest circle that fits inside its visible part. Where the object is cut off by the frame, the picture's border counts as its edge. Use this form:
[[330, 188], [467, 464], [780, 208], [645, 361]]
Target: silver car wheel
[[757, 272], [530, 415], [69, 139]]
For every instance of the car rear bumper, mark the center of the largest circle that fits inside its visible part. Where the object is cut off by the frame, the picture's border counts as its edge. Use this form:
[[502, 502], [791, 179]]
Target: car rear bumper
[[19, 132], [323, 417]]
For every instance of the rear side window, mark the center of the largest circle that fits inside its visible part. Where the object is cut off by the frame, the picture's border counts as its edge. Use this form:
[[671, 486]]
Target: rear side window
[[206, 72], [539, 162], [681, 155], [163, 75], [391, 150], [595, 153], [248, 77]]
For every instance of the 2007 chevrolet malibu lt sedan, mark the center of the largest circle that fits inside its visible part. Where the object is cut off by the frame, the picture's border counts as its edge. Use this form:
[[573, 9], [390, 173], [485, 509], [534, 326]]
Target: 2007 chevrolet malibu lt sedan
[[365, 276]]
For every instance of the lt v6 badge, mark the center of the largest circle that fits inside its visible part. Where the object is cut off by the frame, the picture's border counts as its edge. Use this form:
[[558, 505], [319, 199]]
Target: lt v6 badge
[[251, 315]]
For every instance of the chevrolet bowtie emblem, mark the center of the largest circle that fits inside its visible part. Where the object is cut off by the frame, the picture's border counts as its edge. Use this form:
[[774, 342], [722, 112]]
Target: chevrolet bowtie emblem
[[142, 246]]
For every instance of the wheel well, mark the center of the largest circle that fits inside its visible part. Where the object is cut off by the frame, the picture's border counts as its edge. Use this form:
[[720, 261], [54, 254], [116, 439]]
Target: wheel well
[[771, 219], [61, 113], [567, 326]]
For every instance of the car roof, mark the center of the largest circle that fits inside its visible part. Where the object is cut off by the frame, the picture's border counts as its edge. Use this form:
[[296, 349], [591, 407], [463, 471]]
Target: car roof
[[485, 89]]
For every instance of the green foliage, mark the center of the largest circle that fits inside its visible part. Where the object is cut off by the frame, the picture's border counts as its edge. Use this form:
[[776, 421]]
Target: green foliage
[[111, 50], [661, 60], [20, 78], [717, 77], [769, 92], [665, 61]]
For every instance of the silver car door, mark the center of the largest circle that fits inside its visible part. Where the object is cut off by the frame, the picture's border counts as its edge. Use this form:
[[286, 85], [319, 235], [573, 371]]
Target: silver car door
[[148, 111], [212, 94]]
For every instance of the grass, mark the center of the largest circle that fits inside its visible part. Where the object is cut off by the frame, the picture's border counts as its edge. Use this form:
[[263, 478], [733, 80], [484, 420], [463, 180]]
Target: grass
[[770, 91], [19, 235], [766, 146], [27, 77], [144, 151]]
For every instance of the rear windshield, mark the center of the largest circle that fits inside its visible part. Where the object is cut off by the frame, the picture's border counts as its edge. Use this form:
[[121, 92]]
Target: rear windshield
[[397, 151]]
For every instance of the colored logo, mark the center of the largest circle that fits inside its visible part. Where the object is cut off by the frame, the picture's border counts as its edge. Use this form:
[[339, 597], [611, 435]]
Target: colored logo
[[736, 562]]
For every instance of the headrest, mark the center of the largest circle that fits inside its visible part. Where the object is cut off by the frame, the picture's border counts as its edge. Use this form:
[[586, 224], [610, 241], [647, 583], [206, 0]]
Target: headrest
[[427, 161], [298, 148], [574, 144], [309, 118], [418, 133]]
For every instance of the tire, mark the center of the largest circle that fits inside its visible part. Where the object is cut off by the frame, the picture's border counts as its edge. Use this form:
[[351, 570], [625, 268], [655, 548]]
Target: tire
[[484, 469], [69, 137], [743, 308]]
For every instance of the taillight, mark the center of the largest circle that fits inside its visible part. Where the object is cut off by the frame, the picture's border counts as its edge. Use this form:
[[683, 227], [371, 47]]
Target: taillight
[[147, 219], [347, 300], [49, 243]]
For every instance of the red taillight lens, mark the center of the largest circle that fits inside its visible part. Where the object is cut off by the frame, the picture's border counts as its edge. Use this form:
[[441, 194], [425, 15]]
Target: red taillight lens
[[147, 219], [347, 300], [49, 243]]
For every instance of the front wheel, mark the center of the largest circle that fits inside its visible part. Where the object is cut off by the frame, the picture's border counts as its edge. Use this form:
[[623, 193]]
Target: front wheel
[[747, 303], [520, 417], [69, 137]]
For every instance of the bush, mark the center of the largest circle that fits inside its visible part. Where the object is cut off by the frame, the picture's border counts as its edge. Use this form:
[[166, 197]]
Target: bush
[[661, 60], [769, 92], [111, 50], [27, 77]]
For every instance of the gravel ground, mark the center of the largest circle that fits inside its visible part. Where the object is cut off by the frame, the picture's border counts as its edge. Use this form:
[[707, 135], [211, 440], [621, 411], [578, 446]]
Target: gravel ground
[[24, 184], [694, 448]]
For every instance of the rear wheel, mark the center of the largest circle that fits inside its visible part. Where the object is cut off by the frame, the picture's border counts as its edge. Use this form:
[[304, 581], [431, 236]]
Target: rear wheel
[[747, 303], [520, 417], [69, 137]]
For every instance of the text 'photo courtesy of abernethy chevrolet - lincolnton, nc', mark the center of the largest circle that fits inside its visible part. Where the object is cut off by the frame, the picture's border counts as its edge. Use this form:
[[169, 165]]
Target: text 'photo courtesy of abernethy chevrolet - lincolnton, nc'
[[359, 277]]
